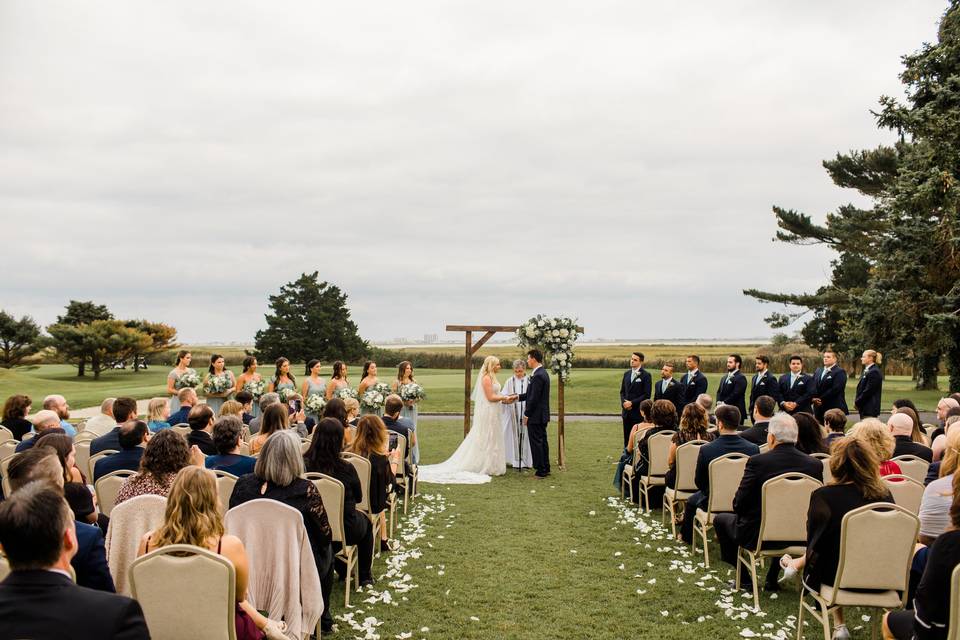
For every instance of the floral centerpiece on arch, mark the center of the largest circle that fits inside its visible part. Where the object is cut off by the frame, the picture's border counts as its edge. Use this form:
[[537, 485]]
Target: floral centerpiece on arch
[[555, 337]]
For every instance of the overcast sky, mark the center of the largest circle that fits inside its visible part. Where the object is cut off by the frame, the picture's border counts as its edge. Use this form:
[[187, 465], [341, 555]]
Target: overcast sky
[[442, 162]]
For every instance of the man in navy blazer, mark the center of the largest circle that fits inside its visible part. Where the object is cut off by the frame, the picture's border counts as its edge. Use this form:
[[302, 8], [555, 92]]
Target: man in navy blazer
[[733, 386], [830, 384], [693, 383], [634, 389], [728, 418], [667, 388], [870, 386], [764, 383], [124, 409], [132, 434], [537, 414], [796, 389], [188, 398]]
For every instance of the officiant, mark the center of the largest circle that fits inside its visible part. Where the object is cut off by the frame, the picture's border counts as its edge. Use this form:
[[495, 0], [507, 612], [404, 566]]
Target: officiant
[[515, 441]]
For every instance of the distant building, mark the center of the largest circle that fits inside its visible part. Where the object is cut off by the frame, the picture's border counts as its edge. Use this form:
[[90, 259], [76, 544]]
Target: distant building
[[430, 338]]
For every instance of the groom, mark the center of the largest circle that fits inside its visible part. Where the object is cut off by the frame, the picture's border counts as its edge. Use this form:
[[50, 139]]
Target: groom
[[537, 414]]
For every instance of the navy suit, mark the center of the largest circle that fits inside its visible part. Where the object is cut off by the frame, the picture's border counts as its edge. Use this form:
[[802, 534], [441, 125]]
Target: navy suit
[[733, 391], [537, 413], [692, 387], [801, 392], [830, 387], [127, 459], [757, 434], [673, 392], [90, 563], [869, 388], [764, 384], [634, 391], [109, 440], [179, 416]]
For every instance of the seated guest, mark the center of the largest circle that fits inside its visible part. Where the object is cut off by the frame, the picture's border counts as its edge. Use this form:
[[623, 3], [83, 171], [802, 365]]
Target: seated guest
[[728, 441], [103, 421], [58, 404], [66, 453], [132, 436], [158, 414], [39, 599], [693, 426], [165, 454], [763, 409], [938, 495], [266, 400], [336, 409], [835, 420], [201, 426], [706, 401], [396, 424], [939, 442], [245, 398], [44, 422], [278, 476], [124, 409], [90, 560], [626, 456], [901, 428], [187, 397], [231, 408], [918, 434], [371, 442], [944, 407], [193, 517], [15, 412], [809, 434], [81, 503], [742, 527], [663, 414], [323, 456], [274, 418], [352, 406], [856, 482], [226, 437], [876, 435]]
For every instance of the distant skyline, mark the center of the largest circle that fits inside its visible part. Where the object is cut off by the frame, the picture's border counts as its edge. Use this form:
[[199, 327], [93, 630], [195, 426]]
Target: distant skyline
[[442, 163]]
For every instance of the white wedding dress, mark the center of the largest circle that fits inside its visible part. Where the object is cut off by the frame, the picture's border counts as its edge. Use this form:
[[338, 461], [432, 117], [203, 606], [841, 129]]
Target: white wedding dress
[[481, 454]]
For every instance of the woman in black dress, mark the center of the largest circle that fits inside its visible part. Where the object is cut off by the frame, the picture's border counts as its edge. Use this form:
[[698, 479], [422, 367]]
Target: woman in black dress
[[371, 442]]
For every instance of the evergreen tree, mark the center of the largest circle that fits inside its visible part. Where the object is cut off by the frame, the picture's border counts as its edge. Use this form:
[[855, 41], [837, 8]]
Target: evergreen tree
[[18, 339], [102, 342], [79, 313], [309, 319], [163, 337]]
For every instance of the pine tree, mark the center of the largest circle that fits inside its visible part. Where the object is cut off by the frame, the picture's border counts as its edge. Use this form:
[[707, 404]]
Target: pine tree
[[18, 339], [80, 313]]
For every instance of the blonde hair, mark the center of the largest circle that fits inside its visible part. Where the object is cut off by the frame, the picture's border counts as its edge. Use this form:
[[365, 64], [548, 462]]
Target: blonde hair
[[876, 435], [951, 454], [371, 437], [155, 409], [853, 460], [877, 357], [193, 510], [352, 405], [231, 408], [488, 367]]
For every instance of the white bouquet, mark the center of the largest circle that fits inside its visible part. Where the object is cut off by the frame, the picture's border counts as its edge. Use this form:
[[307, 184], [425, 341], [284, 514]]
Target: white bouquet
[[218, 384], [555, 337], [314, 403], [412, 392], [345, 392], [286, 394], [374, 398], [255, 387], [188, 379]]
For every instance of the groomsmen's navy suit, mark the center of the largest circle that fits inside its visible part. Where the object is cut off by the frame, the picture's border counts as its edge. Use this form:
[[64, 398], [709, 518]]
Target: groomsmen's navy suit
[[869, 387], [732, 391], [830, 385], [764, 384], [537, 413], [635, 389], [692, 386], [799, 391], [673, 391]]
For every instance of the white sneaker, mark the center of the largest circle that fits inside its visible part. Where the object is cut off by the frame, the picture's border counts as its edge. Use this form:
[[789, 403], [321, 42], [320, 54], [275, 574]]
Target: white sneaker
[[840, 632]]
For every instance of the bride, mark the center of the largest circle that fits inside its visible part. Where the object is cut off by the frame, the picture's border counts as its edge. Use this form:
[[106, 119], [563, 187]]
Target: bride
[[481, 454]]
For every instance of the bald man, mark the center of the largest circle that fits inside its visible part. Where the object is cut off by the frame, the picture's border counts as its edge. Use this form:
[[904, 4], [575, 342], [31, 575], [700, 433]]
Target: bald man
[[58, 404], [901, 428]]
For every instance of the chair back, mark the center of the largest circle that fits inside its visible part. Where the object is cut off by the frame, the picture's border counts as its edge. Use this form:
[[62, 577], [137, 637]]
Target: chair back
[[4, 567], [304, 446], [725, 472], [5, 434], [129, 521], [4, 480], [186, 592], [183, 429], [332, 493], [244, 448], [92, 462], [402, 448], [245, 434], [225, 484], [686, 464], [84, 436], [8, 448], [107, 487], [279, 553], [906, 491], [658, 452], [869, 561], [82, 456], [825, 459], [953, 631], [913, 466], [784, 504], [364, 469]]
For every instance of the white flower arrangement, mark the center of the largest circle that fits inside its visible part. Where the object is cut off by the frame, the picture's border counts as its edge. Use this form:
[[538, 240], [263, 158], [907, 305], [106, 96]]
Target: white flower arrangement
[[218, 384], [315, 403], [345, 392], [255, 387], [412, 391], [373, 399], [286, 394], [555, 337], [188, 379]]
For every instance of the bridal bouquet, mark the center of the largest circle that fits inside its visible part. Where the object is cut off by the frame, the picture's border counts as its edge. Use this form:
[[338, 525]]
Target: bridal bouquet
[[374, 398], [188, 379], [314, 403], [345, 392], [286, 394], [217, 384], [255, 388], [412, 392], [555, 336]]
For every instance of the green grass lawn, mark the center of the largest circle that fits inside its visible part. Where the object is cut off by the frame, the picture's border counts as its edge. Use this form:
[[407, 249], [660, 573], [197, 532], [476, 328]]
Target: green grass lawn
[[553, 559], [589, 390]]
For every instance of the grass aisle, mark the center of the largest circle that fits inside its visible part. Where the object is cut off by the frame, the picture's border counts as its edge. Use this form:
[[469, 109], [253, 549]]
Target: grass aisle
[[505, 566]]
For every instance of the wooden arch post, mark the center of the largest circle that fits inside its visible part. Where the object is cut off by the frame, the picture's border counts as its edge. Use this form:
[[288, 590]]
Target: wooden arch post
[[471, 348]]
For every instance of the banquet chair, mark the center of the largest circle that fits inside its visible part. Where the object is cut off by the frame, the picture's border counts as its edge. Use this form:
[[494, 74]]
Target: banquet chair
[[686, 467], [364, 470], [129, 521], [4, 481], [913, 466], [907, 492], [92, 461], [225, 484], [953, 629], [332, 493], [107, 487], [725, 474], [658, 450], [626, 478], [8, 448], [5, 434], [825, 459]]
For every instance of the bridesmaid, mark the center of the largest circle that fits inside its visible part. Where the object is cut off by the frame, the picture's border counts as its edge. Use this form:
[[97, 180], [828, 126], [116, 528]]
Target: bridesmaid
[[282, 380], [218, 369], [368, 379], [183, 367], [338, 380], [409, 410], [250, 374], [314, 385]]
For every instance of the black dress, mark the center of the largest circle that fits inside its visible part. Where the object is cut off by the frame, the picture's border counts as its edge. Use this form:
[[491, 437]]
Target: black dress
[[356, 526], [828, 505], [381, 477], [19, 427]]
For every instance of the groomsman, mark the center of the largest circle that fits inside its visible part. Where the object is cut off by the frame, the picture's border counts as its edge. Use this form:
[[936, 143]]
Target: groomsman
[[796, 388], [667, 388], [870, 386], [764, 383], [634, 389], [733, 386], [830, 384], [693, 383]]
